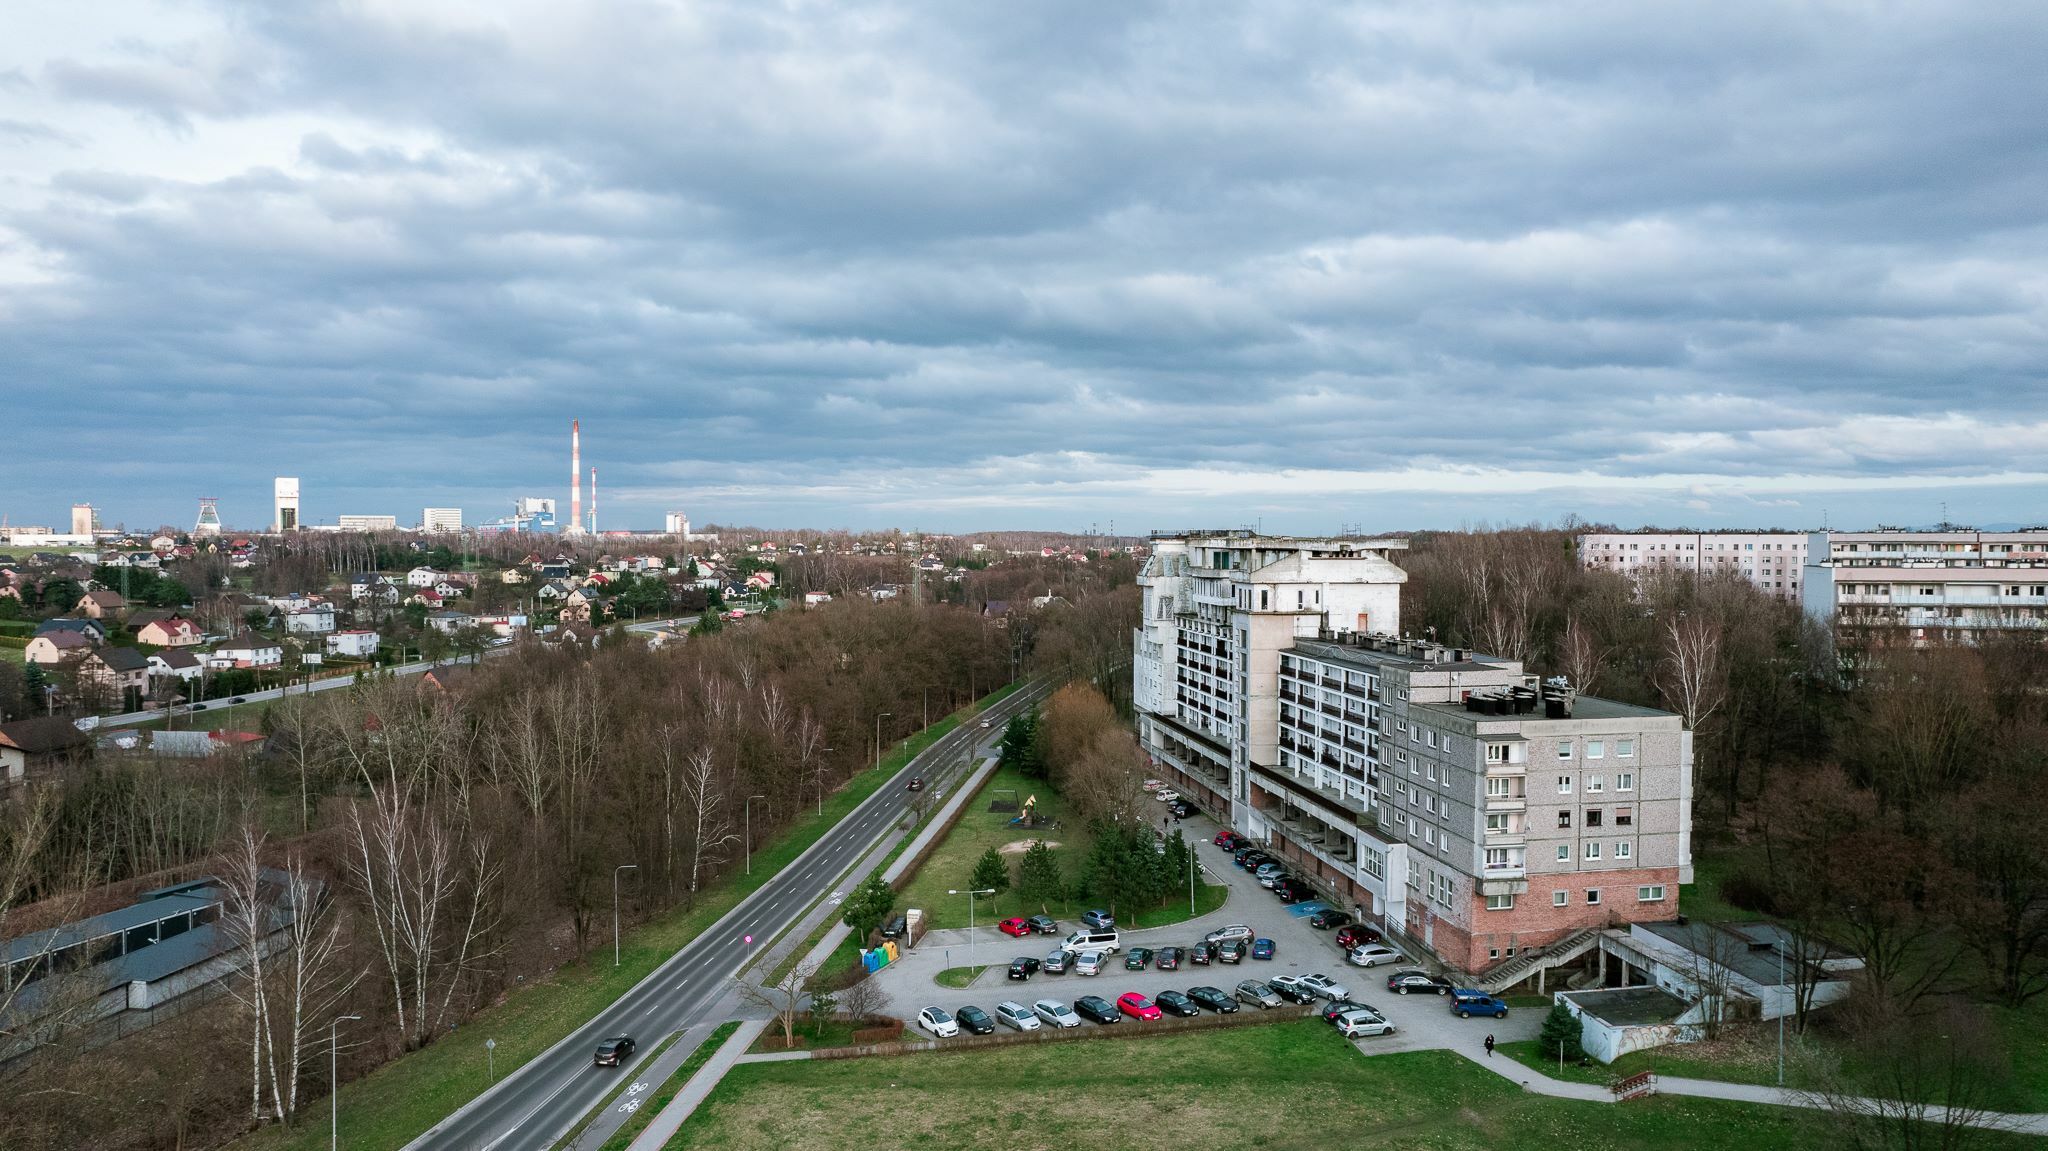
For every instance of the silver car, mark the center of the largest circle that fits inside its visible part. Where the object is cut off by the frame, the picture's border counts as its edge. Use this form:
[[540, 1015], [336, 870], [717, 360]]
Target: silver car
[[1088, 963], [1257, 994], [1363, 1021], [1056, 962], [1012, 1014], [1235, 932], [1055, 1014]]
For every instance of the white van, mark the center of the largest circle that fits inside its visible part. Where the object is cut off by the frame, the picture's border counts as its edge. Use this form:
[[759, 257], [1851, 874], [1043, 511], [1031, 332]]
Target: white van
[[1092, 939]]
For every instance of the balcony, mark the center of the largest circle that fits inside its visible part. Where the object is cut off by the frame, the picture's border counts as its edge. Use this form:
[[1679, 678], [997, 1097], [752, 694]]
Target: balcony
[[1504, 768], [1507, 803]]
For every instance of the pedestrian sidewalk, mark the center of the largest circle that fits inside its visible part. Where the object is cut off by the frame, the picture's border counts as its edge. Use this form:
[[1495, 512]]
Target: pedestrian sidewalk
[[644, 1084], [665, 1125], [1532, 1080]]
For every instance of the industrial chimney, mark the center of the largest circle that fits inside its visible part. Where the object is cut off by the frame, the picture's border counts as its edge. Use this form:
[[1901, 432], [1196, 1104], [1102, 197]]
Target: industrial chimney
[[593, 501], [575, 477]]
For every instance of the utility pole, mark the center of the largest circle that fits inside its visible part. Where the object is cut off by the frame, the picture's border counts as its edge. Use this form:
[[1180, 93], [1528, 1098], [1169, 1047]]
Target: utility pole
[[750, 831], [334, 1084], [878, 737], [970, 916], [615, 907]]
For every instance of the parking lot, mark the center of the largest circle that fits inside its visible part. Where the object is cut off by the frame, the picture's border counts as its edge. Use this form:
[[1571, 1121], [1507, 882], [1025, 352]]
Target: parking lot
[[1421, 1021]]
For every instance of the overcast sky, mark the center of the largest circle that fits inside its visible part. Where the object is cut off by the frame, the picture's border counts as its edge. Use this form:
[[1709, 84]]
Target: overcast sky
[[1034, 265]]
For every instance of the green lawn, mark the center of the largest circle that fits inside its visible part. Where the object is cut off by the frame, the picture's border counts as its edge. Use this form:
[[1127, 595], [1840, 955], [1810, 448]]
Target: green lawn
[[950, 866], [389, 1107], [623, 1137], [957, 977], [1282, 1085], [1701, 899]]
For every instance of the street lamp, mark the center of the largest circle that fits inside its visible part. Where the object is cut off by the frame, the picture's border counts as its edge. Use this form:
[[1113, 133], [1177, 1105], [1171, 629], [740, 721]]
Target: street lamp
[[818, 779], [334, 1084], [970, 916], [750, 831], [878, 737], [615, 907]]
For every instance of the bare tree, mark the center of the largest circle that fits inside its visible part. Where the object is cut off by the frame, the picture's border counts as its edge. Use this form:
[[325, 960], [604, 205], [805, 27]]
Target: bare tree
[[783, 996], [247, 918], [713, 832], [1581, 655], [1924, 1082]]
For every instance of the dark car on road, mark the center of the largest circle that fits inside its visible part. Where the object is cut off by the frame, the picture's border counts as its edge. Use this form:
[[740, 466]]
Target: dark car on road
[[1099, 919], [1230, 951], [240, 699], [1291, 991], [1023, 967], [1249, 858], [1292, 890], [1336, 1007], [916, 783], [975, 1020], [1044, 924], [615, 1051], [1174, 1003], [1202, 954], [1355, 935], [1096, 1008], [1329, 917], [1136, 958], [1168, 959], [1213, 999], [1413, 980], [1262, 949]]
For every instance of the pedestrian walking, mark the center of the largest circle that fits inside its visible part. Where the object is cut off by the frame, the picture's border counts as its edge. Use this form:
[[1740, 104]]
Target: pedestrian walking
[[1489, 1047]]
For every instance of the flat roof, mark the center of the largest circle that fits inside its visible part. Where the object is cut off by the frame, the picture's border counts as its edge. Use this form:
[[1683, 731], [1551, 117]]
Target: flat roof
[[1630, 1006], [135, 915], [1759, 952]]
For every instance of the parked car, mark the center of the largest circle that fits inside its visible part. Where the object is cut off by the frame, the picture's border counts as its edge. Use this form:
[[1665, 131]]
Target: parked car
[[1096, 1009], [1355, 935], [1174, 1003], [1181, 809], [1213, 999], [1236, 931], [975, 1020], [1289, 987], [1044, 924], [1088, 963], [1373, 954], [1167, 796], [1015, 1015], [1137, 1006], [1098, 919], [1014, 927], [615, 1051], [1257, 994], [1336, 1007], [1231, 951], [1469, 1001], [1353, 1024], [1057, 962], [895, 927], [1227, 840], [917, 783], [1409, 980], [1168, 959], [1023, 967], [1266, 871], [1055, 1014], [1202, 954], [1291, 890], [1249, 858], [1325, 986], [1137, 958], [1329, 917], [1262, 948], [938, 1021]]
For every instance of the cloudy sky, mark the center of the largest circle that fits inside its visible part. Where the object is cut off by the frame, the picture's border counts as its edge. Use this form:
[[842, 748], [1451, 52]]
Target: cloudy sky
[[1031, 265]]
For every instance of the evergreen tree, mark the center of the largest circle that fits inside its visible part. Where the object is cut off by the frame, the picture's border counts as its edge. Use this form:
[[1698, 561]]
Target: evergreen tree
[[1561, 1026], [1019, 746], [1038, 876], [868, 905], [991, 873]]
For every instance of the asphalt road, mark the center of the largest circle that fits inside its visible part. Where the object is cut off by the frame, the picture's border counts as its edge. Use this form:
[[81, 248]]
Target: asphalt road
[[415, 668], [536, 1105]]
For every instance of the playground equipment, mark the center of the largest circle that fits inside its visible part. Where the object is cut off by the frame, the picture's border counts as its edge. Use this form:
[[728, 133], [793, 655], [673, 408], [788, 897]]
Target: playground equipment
[[1030, 817]]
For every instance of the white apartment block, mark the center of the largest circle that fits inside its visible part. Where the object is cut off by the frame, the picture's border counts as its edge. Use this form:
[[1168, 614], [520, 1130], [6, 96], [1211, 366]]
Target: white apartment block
[[1444, 795], [1937, 586], [1773, 561], [366, 523], [441, 520]]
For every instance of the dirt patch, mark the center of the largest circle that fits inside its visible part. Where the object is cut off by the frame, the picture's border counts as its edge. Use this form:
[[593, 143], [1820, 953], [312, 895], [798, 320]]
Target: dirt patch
[[1020, 846]]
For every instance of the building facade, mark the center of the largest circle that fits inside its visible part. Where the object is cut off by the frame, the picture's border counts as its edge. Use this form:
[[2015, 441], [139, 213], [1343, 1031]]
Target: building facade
[[441, 520], [1773, 561], [1948, 586], [1444, 795], [285, 504], [367, 523]]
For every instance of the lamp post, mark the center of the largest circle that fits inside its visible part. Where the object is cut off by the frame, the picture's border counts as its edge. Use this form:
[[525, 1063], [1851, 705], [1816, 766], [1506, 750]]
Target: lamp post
[[970, 916], [878, 737], [1781, 1013], [334, 1084], [750, 831], [818, 780], [615, 907]]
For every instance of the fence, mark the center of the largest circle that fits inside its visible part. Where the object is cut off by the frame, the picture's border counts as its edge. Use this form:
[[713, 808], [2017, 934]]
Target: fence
[[1164, 1026]]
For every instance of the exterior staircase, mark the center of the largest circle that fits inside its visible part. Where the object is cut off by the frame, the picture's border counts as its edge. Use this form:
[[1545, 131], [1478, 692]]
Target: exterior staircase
[[1523, 966]]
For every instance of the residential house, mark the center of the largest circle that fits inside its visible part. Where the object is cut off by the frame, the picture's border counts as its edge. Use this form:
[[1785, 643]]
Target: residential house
[[357, 644], [552, 571], [53, 648], [247, 650], [120, 669], [102, 604], [174, 663], [426, 597], [451, 678], [553, 591], [422, 577], [93, 630], [311, 619], [503, 625], [579, 610], [512, 576], [760, 581], [372, 587], [39, 742], [449, 622], [814, 598], [170, 633], [448, 591], [997, 612]]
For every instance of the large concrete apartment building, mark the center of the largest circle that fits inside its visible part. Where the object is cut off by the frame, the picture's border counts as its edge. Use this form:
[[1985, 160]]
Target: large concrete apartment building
[[1934, 586], [1773, 561], [1441, 793]]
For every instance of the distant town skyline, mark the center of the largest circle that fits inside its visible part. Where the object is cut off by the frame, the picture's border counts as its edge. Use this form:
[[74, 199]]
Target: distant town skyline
[[910, 265]]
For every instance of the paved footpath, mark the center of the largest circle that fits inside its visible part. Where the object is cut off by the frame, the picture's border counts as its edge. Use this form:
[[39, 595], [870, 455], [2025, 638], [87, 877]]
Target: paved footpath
[[644, 1084], [664, 1127]]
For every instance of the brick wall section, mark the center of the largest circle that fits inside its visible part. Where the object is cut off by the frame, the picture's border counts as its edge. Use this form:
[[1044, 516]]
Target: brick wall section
[[1535, 922]]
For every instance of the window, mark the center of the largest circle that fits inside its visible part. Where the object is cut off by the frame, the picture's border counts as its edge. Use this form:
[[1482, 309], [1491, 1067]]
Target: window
[[1493, 953], [1564, 785], [1414, 874], [1564, 819], [1592, 895], [1564, 852], [1496, 753], [1650, 893], [1497, 789], [1500, 903], [1596, 783], [1560, 898], [1626, 781], [1497, 859], [1564, 749], [1596, 749], [1593, 817], [1496, 824], [1623, 850], [1624, 816], [1592, 849], [1430, 737]]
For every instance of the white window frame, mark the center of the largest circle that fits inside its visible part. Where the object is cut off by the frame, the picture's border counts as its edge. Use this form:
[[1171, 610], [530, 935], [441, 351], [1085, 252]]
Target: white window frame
[[1500, 903], [1624, 749], [1624, 850], [1592, 897], [1564, 853], [1564, 785], [1564, 749], [1626, 781], [1596, 749], [1592, 849], [1560, 898], [1650, 893], [1596, 783]]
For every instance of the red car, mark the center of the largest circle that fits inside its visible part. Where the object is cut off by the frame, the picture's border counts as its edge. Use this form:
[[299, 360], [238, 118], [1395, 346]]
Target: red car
[[1014, 927], [1226, 839], [1136, 1006], [1355, 935]]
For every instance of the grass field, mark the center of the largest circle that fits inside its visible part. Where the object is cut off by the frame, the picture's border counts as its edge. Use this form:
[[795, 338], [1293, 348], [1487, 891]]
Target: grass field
[[389, 1107], [1283, 1085], [951, 864]]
